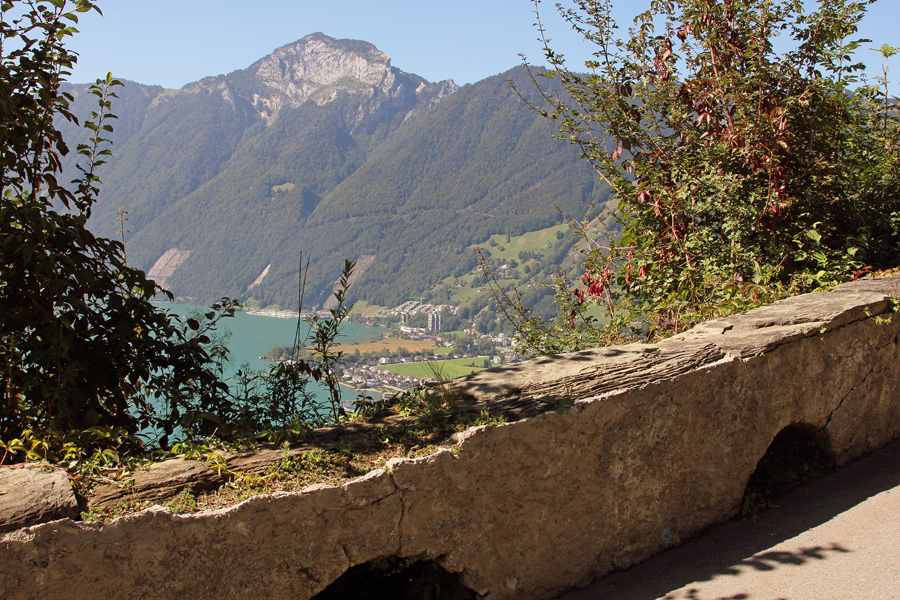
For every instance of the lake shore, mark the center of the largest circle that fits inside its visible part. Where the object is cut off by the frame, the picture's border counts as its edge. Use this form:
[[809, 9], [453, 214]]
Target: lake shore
[[278, 314]]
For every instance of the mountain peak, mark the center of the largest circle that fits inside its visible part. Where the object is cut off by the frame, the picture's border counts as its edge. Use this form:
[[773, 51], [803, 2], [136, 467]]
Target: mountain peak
[[318, 67], [317, 61], [319, 42]]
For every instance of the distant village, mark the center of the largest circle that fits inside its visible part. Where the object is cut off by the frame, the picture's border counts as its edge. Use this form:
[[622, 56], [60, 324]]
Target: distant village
[[485, 350], [366, 372]]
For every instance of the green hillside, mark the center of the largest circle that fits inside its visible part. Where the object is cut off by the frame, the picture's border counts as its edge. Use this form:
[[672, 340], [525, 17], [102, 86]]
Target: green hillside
[[480, 163], [413, 175]]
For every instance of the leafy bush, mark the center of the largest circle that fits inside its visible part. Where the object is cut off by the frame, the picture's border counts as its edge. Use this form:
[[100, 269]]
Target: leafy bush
[[731, 164], [80, 343], [86, 361]]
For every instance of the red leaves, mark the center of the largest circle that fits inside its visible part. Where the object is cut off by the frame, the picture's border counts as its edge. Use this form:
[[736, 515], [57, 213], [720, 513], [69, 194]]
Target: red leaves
[[661, 61], [861, 272], [781, 124], [596, 282], [579, 300], [616, 154]]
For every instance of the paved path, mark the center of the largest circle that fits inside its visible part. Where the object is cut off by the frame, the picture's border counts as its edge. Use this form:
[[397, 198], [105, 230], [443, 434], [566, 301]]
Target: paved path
[[835, 539]]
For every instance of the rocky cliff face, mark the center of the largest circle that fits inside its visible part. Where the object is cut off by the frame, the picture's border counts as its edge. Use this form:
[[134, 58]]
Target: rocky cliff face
[[318, 68]]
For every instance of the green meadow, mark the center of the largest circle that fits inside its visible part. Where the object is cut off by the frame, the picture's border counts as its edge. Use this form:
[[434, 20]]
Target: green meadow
[[446, 369]]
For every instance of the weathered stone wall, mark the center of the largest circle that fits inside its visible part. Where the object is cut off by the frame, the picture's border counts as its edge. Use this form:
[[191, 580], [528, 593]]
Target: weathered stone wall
[[659, 446]]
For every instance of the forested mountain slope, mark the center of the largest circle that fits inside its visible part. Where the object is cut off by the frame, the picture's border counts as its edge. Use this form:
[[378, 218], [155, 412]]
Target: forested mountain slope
[[324, 147], [478, 164]]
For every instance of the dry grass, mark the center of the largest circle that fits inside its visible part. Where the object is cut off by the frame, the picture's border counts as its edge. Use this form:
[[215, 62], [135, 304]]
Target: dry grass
[[387, 345], [333, 467], [297, 473], [331, 456]]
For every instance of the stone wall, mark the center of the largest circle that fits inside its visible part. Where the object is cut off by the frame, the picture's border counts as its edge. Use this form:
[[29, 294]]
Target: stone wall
[[659, 446]]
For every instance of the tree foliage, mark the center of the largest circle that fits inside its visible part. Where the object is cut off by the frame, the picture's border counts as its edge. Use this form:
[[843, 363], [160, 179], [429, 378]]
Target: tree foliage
[[82, 350], [738, 171], [87, 363]]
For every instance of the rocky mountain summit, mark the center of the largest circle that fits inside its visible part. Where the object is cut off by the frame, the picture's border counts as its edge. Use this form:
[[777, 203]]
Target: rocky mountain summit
[[318, 68]]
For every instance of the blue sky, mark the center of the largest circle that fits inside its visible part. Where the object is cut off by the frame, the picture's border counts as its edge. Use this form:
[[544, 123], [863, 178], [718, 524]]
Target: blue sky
[[174, 42]]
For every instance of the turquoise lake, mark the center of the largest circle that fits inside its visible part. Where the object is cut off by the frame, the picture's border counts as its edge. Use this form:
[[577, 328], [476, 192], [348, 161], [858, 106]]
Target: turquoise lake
[[253, 335]]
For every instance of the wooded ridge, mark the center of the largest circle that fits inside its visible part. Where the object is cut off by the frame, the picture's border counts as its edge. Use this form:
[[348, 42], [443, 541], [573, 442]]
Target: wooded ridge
[[324, 147]]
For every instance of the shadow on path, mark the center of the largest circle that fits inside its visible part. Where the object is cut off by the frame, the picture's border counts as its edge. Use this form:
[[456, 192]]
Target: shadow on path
[[739, 546]]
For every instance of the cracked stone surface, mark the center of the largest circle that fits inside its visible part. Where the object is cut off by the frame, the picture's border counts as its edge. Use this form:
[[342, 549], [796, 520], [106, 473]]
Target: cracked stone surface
[[658, 446], [161, 482], [32, 494]]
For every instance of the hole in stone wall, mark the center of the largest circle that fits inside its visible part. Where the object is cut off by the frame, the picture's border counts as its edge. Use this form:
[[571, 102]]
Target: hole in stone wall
[[792, 459], [393, 578]]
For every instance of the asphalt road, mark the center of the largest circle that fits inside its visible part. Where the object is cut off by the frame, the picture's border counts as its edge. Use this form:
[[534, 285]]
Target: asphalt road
[[835, 539]]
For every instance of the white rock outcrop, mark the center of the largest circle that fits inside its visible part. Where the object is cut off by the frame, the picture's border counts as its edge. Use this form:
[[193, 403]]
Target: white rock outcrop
[[166, 264], [318, 68]]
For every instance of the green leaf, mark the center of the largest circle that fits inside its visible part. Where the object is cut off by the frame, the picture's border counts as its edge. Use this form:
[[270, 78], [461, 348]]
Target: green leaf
[[27, 251]]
